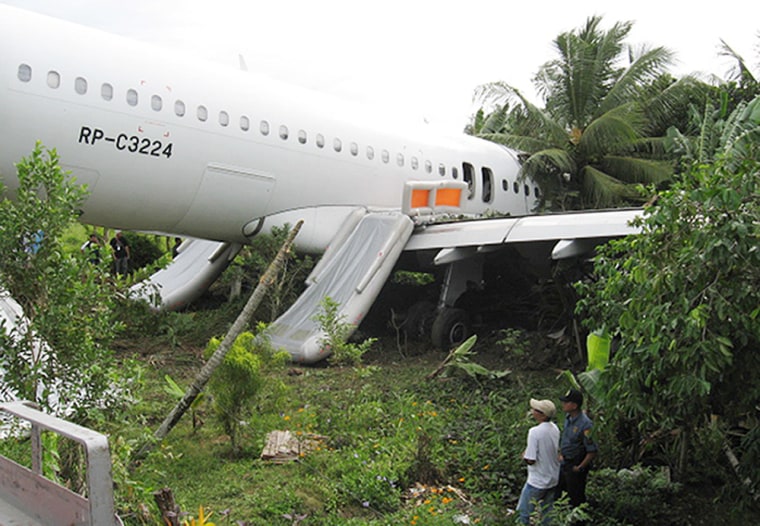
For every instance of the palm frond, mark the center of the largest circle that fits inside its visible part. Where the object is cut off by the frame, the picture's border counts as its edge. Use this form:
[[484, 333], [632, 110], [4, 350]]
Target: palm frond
[[666, 106], [647, 65], [602, 189], [548, 168], [615, 130], [630, 170], [494, 122], [740, 72]]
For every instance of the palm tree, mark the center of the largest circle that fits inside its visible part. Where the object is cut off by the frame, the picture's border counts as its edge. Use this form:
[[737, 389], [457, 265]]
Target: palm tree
[[727, 124], [743, 83], [591, 145], [714, 133]]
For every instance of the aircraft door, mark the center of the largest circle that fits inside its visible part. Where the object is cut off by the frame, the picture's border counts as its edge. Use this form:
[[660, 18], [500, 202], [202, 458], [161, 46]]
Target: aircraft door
[[228, 198]]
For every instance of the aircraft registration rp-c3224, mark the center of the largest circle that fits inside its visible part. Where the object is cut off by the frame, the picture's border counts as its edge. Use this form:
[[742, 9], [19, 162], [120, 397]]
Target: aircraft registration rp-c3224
[[178, 146]]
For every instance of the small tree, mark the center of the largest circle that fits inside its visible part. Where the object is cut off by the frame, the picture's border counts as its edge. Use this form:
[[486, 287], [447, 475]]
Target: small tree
[[240, 378], [65, 298], [684, 299], [337, 331]]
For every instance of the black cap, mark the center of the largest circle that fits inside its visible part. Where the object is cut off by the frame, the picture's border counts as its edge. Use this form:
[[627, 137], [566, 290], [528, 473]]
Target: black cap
[[573, 395]]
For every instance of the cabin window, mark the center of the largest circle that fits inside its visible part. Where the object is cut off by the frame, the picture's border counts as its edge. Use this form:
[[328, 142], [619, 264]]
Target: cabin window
[[504, 185], [24, 72], [354, 149], [53, 79], [386, 156], [537, 192], [302, 137], [428, 167], [224, 118], [487, 180], [370, 153], [516, 187], [400, 159], [132, 97], [337, 145], [156, 102], [80, 85], [245, 123], [179, 108], [264, 128], [415, 163], [284, 132], [441, 170], [106, 91], [454, 172], [526, 189], [468, 175], [320, 140], [202, 113]]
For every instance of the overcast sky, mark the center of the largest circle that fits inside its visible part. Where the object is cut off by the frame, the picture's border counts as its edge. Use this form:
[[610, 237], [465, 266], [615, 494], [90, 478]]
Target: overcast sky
[[421, 58]]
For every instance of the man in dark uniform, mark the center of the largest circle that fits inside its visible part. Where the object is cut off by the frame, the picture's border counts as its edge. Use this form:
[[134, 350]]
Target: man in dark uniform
[[577, 448], [121, 253]]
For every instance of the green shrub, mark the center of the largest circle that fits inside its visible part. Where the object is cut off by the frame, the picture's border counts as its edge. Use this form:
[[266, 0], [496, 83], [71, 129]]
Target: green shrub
[[631, 496], [337, 332], [239, 380]]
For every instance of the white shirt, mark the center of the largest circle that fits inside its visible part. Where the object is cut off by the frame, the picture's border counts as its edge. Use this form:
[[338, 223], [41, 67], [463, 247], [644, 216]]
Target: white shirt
[[543, 447]]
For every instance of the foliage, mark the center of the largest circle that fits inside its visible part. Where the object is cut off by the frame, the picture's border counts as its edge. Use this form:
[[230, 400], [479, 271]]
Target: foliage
[[173, 389], [592, 143], [742, 84], [253, 260], [202, 519], [631, 496], [714, 133], [408, 277], [513, 341], [460, 361], [67, 300], [683, 298], [145, 250], [240, 378], [336, 334]]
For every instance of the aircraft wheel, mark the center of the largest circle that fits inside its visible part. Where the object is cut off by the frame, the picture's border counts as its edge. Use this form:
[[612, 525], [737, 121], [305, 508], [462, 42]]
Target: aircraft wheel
[[419, 320], [450, 328]]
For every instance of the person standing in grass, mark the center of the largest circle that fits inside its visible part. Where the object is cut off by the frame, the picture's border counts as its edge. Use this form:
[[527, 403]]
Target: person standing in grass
[[577, 448], [543, 462]]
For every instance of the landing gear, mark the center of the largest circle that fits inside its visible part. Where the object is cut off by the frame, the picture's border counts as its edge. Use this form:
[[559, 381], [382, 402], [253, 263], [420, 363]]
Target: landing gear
[[450, 328]]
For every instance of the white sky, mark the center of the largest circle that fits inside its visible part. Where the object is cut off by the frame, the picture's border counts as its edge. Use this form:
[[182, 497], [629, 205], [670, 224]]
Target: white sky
[[420, 58]]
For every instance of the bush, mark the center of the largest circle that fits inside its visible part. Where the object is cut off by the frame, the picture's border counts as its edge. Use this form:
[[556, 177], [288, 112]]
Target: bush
[[239, 379], [337, 332], [631, 496]]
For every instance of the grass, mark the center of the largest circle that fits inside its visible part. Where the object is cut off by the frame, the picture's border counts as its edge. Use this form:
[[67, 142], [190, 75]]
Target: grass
[[397, 448]]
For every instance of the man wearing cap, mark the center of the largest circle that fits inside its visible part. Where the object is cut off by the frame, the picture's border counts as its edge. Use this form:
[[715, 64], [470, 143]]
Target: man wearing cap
[[577, 448], [542, 460]]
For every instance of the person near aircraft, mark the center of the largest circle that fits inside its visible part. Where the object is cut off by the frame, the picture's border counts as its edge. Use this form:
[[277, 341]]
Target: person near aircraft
[[121, 253], [577, 448], [91, 248], [175, 247], [543, 463]]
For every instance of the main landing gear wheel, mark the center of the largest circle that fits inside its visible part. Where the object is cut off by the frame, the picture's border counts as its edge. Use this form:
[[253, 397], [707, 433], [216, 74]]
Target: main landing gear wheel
[[450, 328]]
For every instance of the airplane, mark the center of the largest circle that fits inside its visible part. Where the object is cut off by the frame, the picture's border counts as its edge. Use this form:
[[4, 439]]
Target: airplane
[[174, 145]]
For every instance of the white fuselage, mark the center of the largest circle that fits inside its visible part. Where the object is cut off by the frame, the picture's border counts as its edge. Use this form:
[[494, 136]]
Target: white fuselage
[[172, 145]]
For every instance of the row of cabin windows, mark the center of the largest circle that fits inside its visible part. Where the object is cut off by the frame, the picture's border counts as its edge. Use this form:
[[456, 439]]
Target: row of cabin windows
[[202, 114]]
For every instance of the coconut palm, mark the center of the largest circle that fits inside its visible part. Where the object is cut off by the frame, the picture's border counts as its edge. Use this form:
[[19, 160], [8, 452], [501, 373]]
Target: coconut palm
[[591, 144]]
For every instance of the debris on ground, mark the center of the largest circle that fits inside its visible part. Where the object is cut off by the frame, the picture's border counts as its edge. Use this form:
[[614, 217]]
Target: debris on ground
[[283, 446]]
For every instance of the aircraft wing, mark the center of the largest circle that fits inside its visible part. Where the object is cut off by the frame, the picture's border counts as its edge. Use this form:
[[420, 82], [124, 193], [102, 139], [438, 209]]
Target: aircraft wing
[[573, 232]]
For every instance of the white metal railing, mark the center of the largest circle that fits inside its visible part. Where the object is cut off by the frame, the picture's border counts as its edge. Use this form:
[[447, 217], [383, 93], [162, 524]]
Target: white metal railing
[[44, 501]]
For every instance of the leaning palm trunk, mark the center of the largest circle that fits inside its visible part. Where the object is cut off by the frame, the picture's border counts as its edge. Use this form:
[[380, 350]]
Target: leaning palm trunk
[[208, 369]]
